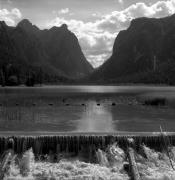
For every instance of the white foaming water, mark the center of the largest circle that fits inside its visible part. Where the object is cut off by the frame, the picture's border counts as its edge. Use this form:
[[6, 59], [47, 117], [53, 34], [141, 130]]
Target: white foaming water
[[28, 169], [156, 167], [26, 162]]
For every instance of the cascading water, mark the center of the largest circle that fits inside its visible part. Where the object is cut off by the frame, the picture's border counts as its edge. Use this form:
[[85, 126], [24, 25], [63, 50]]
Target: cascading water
[[27, 168], [156, 165], [87, 157]]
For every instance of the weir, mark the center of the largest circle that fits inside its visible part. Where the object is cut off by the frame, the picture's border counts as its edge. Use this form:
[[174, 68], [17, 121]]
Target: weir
[[76, 143], [120, 155]]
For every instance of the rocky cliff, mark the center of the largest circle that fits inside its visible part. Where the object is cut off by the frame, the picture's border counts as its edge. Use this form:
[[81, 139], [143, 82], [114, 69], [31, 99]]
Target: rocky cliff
[[25, 50]]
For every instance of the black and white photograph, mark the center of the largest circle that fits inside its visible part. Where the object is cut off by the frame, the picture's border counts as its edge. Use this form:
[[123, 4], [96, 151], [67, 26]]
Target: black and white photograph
[[87, 89]]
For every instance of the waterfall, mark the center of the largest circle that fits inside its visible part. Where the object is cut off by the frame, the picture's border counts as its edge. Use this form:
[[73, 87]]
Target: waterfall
[[26, 162], [102, 158], [105, 155], [77, 144]]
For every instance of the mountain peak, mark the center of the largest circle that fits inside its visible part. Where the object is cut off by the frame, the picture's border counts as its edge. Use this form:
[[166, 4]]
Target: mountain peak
[[25, 22], [2, 23], [143, 53], [27, 25], [64, 26], [54, 52]]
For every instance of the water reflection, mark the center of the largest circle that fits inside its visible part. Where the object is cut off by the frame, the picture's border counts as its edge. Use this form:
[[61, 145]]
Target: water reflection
[[90, 117], [96, 118], [141, 118], [46, 109]]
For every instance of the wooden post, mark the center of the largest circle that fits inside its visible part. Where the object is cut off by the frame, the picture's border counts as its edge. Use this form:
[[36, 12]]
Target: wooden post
[[166, 144], [133, 166], [132, 163]]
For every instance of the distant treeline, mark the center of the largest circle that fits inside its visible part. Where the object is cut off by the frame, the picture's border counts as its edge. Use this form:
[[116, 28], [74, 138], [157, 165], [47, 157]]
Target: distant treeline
[[14, 75], [164, 74]]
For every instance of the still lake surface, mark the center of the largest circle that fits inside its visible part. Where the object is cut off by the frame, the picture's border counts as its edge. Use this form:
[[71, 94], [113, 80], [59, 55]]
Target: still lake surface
[[85, 109]]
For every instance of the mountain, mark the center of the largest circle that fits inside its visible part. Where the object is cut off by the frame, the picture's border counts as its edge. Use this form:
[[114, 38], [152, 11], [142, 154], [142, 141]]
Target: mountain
[[144, 53], [26, 51]]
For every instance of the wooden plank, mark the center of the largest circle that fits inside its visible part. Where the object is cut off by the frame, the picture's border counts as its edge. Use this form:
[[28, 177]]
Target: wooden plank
[[133, 166]]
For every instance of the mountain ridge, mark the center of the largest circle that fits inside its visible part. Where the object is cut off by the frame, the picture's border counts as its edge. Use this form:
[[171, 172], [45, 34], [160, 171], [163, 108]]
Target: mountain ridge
[[36, 51], [146, 49]]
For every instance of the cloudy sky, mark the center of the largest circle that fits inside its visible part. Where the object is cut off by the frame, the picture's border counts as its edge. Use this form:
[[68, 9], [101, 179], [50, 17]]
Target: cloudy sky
[[96, 23]]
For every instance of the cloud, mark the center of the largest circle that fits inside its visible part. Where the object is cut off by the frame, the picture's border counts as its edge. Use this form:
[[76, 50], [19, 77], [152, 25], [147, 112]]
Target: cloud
[[64, 11], [97, 60], [96, 15], [10, 17], [9, 1], [119, 20], [97, 37], [94, 41], [120, 1]]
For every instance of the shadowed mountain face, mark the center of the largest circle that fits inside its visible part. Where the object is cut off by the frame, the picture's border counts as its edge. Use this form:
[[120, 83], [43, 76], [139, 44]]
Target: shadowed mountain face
[[143, 53], [25, 49]]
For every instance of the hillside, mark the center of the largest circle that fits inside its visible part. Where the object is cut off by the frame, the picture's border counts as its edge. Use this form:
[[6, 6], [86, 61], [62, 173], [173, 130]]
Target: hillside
[[27, 52], [144, 53]]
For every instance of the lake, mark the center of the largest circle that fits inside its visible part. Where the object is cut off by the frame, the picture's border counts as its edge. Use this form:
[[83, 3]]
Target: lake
[[85, 109]]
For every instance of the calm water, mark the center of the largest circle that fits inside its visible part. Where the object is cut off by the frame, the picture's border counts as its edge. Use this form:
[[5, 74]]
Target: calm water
[[85, 109]]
